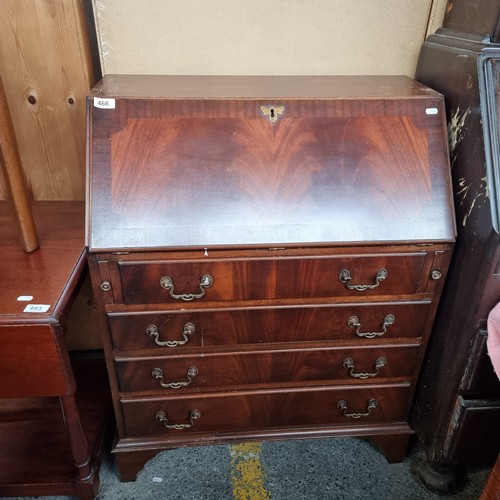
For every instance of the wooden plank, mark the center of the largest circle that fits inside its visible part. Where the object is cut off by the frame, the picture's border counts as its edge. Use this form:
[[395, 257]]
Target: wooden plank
[[46, 65]]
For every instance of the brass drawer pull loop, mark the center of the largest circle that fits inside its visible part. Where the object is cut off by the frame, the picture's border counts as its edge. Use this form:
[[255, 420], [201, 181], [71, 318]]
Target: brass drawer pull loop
[[161, 416], [152, 331], [342, 405], [345, 277], [206, 281], [353, 322], [157, 373], [349, 365]]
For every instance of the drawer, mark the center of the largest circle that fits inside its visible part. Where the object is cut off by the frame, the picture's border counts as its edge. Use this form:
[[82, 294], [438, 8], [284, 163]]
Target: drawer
[[480, 380], [40, 370], [181, 329], [476, 439], [277, 278], [213, 371], [240, 411]]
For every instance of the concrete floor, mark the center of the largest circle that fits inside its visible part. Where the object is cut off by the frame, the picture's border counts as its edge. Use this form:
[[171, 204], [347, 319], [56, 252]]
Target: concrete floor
[[341, 468]]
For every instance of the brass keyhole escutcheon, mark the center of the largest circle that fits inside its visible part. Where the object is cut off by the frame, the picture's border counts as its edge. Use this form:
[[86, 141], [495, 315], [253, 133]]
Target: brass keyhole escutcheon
[[272, 112]]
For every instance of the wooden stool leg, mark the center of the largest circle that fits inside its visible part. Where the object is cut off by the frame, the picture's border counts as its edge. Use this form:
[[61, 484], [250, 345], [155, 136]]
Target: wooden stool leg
[[14, 174]]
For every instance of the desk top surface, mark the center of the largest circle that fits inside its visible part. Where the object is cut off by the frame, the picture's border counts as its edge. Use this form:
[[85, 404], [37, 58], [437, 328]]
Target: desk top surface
[[42, 280], [260, 87]]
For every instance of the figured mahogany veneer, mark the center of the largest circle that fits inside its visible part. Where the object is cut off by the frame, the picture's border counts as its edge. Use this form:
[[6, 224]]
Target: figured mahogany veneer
[[267, 409], [267, 255], [221, 326], [262, 277], [234, 177], [212, 370]]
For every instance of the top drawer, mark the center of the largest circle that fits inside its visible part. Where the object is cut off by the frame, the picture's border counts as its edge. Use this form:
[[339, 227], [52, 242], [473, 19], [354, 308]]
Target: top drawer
[[273, 278]]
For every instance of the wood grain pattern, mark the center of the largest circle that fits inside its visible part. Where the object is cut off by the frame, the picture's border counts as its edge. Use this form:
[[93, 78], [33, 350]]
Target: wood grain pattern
[[273, 278], [11, 161], [218, 371], [267, 324], [170, 171], [351, 175], [213, 171], [265, 410], [45, 63], [46, 271]]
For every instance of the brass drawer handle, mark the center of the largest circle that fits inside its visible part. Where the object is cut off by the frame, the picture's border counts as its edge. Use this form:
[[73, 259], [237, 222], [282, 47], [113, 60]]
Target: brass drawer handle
[[349, 365], [342, 405], [206, 281], [353, 322], [161, 416], [152, 331], [157, 373], [345, 277]]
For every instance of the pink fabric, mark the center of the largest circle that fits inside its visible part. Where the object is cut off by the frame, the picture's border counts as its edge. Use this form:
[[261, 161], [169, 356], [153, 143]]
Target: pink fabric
[[493, 342]]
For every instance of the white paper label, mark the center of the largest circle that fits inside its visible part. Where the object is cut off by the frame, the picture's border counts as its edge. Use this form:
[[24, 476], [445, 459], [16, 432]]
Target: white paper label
[[431, 111], [25, 298], [36, 308], [102, 103]]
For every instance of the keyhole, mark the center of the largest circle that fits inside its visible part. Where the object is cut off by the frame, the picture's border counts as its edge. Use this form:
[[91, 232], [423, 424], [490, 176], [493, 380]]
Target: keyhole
[[272, 112]]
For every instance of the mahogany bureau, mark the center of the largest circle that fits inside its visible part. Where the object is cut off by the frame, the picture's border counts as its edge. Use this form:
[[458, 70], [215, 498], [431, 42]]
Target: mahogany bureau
[[267, 254]]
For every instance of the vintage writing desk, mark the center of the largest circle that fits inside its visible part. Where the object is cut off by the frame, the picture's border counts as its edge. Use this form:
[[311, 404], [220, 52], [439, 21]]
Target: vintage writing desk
[[53, 413], [267, 254]]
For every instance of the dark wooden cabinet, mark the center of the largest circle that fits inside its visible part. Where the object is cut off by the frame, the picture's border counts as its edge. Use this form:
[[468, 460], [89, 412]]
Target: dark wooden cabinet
[[267, 255], [457, 406], [481, 17]]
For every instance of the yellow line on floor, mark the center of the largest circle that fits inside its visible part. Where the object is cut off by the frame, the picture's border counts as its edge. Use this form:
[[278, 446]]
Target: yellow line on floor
[[247, 473]]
